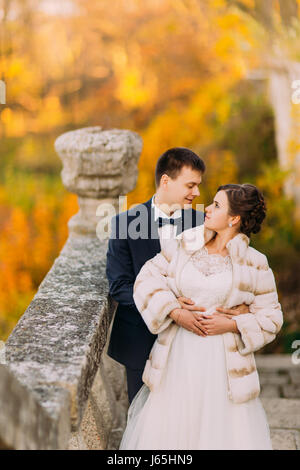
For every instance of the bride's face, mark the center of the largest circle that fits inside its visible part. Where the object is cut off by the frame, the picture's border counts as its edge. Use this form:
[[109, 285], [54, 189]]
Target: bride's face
[[216, 215]]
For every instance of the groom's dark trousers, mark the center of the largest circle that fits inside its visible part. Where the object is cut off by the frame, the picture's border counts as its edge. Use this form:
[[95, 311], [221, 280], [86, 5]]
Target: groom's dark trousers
[[130, 341]]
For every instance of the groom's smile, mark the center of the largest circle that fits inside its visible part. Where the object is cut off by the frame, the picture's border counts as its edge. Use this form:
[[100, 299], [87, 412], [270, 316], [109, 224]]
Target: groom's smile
[[185, 188]]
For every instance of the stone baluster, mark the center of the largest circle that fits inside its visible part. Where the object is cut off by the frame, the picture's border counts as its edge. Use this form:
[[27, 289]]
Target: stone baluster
[[99, 166]]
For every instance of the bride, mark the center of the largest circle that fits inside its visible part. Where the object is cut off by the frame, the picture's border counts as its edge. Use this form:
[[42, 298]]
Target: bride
[[201, 386]]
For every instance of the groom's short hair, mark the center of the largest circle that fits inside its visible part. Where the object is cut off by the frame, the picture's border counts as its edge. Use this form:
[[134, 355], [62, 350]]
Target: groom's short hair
[[172, 161]]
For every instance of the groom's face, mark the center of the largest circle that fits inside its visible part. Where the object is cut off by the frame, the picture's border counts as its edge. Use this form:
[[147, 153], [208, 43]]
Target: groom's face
[[183, 189]]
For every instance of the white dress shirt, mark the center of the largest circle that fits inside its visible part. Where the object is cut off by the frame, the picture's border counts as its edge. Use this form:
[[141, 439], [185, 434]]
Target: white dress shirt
[[168, 231]]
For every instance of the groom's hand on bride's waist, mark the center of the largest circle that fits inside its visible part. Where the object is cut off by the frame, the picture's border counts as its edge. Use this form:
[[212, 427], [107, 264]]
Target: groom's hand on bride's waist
[[189, 304], [231, 312]]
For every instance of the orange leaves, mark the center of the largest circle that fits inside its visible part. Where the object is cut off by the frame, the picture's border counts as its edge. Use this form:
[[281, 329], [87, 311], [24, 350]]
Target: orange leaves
[[15, 278], [15, 240], [42, 239], [68, 206], [28, 246]]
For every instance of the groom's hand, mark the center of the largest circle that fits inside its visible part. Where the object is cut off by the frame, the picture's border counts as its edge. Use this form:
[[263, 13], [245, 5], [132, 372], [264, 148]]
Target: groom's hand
[[188, 304], [231, 312], [188, 320]]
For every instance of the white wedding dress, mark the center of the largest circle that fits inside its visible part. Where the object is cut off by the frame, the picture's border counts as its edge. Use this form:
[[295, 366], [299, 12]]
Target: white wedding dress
[[191, 409]]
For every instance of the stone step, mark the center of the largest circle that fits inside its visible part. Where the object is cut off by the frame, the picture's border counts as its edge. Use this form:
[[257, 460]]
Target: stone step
[[275, 362], [283, 416], [282, 412], [283, 439]]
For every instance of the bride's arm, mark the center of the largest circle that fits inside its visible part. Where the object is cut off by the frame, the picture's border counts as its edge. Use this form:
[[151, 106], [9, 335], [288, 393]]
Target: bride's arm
[[152, 294], [261, 325]]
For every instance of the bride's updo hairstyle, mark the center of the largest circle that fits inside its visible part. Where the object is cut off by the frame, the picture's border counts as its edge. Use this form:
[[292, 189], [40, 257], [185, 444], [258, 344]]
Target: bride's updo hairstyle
[[248, 202]]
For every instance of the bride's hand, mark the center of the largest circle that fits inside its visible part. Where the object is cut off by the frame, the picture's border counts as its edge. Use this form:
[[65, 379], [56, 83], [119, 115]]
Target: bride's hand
[[216, 324], [188, 320]]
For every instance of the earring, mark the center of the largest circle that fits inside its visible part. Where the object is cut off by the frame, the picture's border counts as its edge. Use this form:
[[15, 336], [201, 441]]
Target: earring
[[230, 224]]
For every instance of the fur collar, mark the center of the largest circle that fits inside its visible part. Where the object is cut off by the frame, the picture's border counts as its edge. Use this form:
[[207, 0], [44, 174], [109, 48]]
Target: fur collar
[[195, 238]]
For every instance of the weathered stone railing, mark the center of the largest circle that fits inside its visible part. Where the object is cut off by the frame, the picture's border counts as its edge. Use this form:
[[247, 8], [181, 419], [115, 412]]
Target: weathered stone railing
[[58, 388]]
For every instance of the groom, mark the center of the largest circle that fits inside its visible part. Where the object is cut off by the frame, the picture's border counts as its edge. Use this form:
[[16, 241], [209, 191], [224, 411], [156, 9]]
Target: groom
[[178, 174]]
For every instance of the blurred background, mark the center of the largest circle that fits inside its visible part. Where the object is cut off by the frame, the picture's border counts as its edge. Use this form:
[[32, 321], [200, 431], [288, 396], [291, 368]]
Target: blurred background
[[220, 77]]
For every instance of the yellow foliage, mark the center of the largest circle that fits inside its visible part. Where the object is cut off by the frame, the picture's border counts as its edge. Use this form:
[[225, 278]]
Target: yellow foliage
[[13, 122], [14, 68], [134, 90], [221, 169], [51, 114], [6, 116]]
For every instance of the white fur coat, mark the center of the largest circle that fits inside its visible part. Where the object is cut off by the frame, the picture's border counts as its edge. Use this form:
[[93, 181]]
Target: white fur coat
[[155, 295]]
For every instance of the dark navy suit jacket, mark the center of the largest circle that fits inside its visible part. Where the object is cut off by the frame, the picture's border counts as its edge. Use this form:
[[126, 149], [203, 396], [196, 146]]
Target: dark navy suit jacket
[[130, 340]]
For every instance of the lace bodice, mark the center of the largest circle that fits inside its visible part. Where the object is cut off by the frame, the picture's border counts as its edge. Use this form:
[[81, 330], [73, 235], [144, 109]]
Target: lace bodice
[[209, 264], [207, 278]]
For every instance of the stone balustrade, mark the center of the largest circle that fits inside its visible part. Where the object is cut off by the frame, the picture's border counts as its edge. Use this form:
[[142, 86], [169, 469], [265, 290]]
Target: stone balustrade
[[56, 382]]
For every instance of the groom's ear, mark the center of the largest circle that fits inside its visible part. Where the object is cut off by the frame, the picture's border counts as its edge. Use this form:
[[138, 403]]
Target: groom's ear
[[164, 179]]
